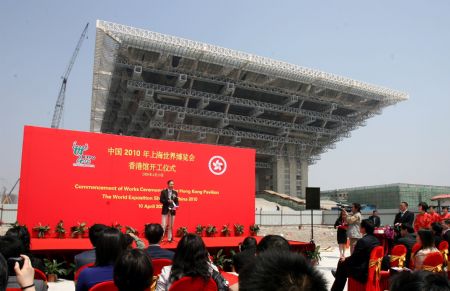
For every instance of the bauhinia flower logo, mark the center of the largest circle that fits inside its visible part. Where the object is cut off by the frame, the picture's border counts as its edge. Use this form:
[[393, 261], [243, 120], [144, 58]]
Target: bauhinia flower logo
[[217, 165]]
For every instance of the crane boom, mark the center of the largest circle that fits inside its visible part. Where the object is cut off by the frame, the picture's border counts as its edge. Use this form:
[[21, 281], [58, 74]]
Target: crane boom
[[57, 114]]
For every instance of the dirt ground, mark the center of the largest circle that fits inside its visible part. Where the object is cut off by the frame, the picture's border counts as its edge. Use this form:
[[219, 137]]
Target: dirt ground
[[324, 236]]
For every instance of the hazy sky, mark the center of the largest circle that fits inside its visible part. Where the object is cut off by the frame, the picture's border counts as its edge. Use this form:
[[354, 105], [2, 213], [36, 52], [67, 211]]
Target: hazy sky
[[403, 45]]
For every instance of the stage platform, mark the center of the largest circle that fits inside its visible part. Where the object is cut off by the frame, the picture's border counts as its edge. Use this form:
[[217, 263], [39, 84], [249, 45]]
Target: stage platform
[[54, 245]]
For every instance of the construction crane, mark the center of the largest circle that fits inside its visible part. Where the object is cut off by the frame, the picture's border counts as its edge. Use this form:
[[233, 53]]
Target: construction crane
[[57, 114]]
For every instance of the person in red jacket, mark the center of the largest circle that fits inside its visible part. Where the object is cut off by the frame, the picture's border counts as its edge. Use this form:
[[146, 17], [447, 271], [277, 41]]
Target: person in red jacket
[[435, 217], [445, 215], [423, 219]]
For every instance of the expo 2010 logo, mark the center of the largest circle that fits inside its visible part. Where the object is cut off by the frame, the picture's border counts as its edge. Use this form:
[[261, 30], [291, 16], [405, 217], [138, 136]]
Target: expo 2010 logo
[[217, 165]]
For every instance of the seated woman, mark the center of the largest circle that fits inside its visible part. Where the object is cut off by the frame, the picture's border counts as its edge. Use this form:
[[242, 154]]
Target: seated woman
[[191, 259], [109, 247], [133, 271], [247, 253], [21, 232], [426, 239]]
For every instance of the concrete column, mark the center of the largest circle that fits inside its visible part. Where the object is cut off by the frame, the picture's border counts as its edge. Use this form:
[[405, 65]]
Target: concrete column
[[304, 174], [278, 175]]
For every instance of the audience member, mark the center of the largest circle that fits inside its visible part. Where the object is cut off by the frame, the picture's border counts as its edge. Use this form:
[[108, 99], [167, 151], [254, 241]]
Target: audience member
[[446, 232], [247, 253], [154, 234], [4, 273], [426, 240], [408, 239], [21, 232], [107, 249], [375, 218], [341, 225], [419, 281], [423, 219], [357, 264], [273, 242], [280, 270], [434, 216], [25, 275], [131, 238], [436, 228], [133, 271], [87, 257], [11, 247], [191, 259], [353, 221]]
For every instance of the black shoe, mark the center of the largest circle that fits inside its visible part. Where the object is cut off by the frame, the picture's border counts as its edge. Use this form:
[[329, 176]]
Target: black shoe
[[333, 272]]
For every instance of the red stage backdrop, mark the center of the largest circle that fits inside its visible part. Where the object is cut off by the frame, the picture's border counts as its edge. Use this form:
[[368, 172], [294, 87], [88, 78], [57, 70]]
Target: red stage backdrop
[[101, 178]]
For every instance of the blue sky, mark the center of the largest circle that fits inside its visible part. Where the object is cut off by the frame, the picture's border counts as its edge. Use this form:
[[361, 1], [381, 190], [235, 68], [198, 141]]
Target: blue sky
[[403, 45]]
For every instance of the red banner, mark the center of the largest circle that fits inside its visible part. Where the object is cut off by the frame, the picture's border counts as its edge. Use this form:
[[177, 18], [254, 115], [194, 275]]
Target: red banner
[[101, 178]]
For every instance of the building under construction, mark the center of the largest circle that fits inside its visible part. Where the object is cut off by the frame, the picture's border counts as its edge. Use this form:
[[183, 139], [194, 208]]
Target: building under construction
[[159, 86], [387, 196]]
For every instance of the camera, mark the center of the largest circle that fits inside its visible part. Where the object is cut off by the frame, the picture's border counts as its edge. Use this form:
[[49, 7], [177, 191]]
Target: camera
[[12, 262]]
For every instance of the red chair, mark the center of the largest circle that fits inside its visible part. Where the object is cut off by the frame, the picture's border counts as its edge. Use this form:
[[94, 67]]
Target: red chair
[[104, 286], [373, 278], [158, 264], [13, 289], [433, 262], [443, 248], [193, 284], [397, 259], [39, 275], [77, 273], [416, 247]]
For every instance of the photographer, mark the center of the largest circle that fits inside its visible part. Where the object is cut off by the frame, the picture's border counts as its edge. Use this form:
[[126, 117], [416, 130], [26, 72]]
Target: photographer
[[354, 221]]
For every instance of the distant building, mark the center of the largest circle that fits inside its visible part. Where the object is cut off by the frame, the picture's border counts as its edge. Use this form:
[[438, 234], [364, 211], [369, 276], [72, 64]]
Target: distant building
[[387, 196]]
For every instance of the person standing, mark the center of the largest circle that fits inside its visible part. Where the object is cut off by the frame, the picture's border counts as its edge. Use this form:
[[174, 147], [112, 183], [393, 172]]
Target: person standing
[[169, 201], [341, 225], [423, 219], [353, 221], [375, 218], [404, 215], [435, 217], [445, 215]]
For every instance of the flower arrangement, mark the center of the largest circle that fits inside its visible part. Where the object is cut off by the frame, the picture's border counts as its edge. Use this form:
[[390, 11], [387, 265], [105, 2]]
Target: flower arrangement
[[53, 269], [199, 229], [41, 230], [60, 230], [79, 229], [225, 230], [254, 229], [211, 230], [389, 232], [238, 229], [182, 231], [129, 229]]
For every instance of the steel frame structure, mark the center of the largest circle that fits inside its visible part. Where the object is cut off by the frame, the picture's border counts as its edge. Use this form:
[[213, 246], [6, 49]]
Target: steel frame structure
[[160, 86]]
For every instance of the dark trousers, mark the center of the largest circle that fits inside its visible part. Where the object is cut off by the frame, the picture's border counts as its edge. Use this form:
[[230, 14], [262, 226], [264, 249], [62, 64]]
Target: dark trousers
[[341, 276]]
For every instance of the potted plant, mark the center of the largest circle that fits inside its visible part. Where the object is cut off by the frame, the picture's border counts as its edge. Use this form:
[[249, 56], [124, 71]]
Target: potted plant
[[199, 229], [129, 229], [60, 230], [211, 230], [221, 260], [53, 269], [225, 230], [182, 231], [314, 256], [238, 229], [254, 229], [41, 230], [79, 230]]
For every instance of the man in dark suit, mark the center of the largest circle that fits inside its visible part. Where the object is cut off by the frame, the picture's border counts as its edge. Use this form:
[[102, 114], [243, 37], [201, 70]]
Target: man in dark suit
[[154, 234], [408, 239], [169, 201], [87, 257], [375, 218], [404, 216], [357, 265]]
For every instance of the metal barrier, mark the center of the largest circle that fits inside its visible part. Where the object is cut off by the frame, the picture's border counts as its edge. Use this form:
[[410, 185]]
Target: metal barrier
[[8, 213]]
